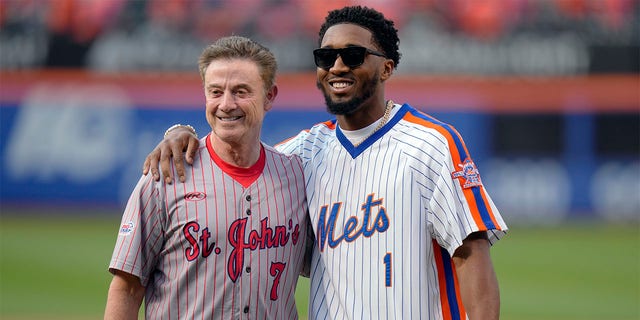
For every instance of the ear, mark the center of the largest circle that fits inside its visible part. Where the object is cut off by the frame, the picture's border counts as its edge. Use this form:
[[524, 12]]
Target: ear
[[387, 69], [271, 96]]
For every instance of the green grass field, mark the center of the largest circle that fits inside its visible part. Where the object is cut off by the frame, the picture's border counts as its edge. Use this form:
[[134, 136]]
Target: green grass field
[[54, 267]]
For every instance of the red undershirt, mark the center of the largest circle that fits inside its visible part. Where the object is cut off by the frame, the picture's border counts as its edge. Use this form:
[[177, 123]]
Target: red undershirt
[[246, 176]]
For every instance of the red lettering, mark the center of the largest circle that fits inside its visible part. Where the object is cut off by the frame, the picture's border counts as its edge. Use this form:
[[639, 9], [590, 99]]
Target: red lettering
[[281, 237], [276, 271], [255, 240], [190, 232], [204, 239], [236, 240], [267, 234], [192, 252], [295, 234], [242, 239]]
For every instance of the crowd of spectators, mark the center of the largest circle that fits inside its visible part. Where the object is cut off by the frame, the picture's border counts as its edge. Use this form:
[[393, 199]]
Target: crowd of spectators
[[440, 36]]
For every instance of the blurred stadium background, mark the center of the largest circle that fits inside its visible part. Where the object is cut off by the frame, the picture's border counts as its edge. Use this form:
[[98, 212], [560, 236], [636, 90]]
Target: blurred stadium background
[[545, 92]]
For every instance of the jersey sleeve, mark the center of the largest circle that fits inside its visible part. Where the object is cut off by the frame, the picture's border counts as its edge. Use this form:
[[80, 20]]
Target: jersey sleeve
[[303, 142], [460, 204], [293, 145], [140, 237]]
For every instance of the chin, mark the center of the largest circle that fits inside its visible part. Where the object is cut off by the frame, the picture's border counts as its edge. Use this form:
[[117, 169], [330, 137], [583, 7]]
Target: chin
[[226, 135], [343, 106], [348, 105]]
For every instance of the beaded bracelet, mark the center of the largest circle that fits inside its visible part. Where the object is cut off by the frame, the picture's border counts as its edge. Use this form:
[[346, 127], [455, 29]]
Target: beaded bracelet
[[186, 126]]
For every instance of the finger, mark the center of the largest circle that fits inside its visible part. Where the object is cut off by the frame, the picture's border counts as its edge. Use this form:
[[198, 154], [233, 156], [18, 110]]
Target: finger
[[165, 164], [145, 167], [151, 163], [192, 147], [178, 161]]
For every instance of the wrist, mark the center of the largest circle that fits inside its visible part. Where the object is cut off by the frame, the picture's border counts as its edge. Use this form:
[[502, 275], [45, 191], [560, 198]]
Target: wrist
[[181, 126]]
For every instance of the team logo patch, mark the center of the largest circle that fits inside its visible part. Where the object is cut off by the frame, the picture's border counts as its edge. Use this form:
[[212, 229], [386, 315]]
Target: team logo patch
[[127, 228], [195, 196], [469, 175]]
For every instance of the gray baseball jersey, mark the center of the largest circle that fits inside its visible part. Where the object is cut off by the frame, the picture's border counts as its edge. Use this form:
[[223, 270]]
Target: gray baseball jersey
[[388, 215], [226, 244]]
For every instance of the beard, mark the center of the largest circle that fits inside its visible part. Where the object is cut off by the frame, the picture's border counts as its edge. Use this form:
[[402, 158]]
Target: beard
[[350, 106]]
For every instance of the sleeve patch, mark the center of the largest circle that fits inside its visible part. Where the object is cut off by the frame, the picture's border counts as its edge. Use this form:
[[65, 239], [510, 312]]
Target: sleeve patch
[[469, 175], [127, 228]]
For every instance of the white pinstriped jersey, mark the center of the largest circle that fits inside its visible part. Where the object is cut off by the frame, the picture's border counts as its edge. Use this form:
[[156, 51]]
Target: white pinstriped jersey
[[212, 248], [388, 215]]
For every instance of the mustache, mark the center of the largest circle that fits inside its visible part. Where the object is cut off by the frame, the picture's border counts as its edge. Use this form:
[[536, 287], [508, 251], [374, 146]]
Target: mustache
[[350, 106]]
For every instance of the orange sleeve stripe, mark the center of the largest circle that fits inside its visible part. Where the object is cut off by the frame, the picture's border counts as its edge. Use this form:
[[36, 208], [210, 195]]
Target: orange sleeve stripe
[[473, 206], [457, 157], [450, 299], [441, 281], [455, 154], [331, 124]]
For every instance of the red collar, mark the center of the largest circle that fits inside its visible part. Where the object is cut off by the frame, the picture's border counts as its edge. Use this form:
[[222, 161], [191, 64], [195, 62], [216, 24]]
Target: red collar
[[246, 176]]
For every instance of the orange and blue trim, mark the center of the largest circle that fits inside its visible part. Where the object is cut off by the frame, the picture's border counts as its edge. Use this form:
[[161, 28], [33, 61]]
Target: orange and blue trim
[[450, 299], [476, 198]]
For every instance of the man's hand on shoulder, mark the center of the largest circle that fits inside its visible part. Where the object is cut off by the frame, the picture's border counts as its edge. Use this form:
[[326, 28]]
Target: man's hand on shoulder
[[177, 140]]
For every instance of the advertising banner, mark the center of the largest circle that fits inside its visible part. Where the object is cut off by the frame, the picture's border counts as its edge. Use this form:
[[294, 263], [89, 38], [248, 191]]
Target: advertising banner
[[546, 149]]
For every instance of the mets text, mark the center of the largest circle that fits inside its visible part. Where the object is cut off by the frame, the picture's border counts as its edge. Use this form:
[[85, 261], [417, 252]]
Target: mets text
[[351, 230]]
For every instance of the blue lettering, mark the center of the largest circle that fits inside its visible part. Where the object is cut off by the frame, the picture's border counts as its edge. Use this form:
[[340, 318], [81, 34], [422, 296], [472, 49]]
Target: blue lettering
[[351, 225], [323, 225], [351, 231]]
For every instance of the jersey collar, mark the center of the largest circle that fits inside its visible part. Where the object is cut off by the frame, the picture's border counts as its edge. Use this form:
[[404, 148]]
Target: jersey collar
[[355, 151]]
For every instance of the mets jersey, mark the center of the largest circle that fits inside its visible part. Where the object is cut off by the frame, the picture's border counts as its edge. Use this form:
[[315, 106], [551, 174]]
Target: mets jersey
[[226, 244], [388, 216]]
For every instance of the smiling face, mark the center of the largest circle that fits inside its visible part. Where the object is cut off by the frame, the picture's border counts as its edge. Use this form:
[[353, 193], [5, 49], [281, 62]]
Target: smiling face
[[236, 101], [346, 89]]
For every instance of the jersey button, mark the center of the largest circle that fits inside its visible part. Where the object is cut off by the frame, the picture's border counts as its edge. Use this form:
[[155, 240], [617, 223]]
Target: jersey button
[[248, 212], [248, 197], [246, 309], [248, 269]]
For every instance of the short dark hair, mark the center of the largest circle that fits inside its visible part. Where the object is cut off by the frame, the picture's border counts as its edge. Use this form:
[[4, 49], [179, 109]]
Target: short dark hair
[[385, 35]]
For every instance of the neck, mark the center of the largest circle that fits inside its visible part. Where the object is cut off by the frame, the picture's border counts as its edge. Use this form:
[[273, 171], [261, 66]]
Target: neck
[[363, 116], [242, 155]]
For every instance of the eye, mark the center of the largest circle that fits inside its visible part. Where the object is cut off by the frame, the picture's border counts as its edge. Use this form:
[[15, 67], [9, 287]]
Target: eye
[[242, 93], [215, 93]]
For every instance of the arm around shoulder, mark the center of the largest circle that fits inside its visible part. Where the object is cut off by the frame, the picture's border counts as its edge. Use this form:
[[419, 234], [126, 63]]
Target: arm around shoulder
[[177, 139]]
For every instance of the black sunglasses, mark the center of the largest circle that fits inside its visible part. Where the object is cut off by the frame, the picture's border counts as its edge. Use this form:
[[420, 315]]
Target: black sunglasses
[[352, 57]]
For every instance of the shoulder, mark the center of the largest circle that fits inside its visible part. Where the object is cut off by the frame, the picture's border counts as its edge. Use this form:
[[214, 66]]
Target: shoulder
[[421, 119], [272, 152], [276, 155], [319, 129], [437, 129], [201, 154], [289, 162], [308, 136]]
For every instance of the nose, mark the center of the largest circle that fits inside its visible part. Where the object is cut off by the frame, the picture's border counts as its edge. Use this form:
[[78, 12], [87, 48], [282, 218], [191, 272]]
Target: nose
[[227, 102], [339, 66]]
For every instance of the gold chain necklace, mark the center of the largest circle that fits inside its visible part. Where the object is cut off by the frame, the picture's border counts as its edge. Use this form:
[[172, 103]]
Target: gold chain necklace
[[385, 118]]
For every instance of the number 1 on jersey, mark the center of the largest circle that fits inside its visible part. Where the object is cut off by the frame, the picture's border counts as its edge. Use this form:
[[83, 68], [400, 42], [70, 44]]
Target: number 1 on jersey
[[387, 269]]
